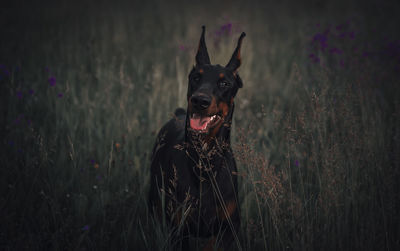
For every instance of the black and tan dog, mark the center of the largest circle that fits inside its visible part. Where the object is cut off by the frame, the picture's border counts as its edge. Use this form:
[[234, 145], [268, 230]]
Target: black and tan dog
[[193, 172]]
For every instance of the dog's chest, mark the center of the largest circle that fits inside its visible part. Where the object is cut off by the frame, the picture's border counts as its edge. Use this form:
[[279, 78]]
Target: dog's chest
[[205, 184]]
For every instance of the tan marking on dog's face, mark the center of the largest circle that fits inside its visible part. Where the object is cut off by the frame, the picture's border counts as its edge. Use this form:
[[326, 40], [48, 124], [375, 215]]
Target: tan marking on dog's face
[[224, 108]]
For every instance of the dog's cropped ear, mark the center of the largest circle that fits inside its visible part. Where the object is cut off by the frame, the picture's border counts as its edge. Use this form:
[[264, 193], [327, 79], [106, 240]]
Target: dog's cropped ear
[[202, 57], [235, 61]]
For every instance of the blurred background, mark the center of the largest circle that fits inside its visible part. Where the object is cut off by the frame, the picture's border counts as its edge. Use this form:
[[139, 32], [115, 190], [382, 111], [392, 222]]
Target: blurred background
[[86, 85]]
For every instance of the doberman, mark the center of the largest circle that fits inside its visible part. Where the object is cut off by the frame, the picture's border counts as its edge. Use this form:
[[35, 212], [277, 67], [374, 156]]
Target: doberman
[[193, 182]]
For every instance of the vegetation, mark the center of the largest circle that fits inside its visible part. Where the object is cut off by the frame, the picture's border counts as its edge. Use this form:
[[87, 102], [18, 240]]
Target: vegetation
[[86, 87]]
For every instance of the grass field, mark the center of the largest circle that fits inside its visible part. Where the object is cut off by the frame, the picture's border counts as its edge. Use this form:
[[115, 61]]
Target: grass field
[[85, 88]]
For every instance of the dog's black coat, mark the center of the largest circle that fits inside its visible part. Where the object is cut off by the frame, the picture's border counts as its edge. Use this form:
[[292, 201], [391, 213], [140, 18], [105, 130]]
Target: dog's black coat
[[193, 175]]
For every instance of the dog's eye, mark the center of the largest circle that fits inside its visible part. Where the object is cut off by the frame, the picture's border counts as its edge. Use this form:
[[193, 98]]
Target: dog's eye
[[223, 84], [196, 78]]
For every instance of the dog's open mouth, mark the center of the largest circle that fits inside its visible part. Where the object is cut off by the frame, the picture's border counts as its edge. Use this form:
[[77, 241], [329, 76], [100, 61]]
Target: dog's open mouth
[[203, 123]]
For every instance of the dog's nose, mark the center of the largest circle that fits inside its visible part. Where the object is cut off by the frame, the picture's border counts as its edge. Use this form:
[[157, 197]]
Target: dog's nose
[[200, 102]]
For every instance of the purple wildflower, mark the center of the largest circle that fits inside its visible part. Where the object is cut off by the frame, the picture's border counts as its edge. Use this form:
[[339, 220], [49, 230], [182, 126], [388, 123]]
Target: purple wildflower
[[60, 95], [314, 58], [320, 37], [224, 29], [341, 63], [296, 162], [92, 161], [52, 81], [19, 94], [4, 68], [17, 120], [393, 48], [335, 50], [85, 228], [46, 69], [31, 91], [181, 47], [227, 27]]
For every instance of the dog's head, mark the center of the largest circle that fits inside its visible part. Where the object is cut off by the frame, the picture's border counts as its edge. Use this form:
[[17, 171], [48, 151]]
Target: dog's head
[[211, 90]]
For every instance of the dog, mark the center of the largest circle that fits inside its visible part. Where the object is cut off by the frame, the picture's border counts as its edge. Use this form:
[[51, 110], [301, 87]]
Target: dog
[[193, 176]]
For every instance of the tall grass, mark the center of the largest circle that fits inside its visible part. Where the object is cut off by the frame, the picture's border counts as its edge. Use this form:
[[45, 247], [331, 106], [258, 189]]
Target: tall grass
[[85, 88]]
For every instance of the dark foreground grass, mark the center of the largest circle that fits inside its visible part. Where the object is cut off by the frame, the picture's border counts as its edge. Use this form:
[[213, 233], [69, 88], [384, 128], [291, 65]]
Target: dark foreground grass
[[85, 88]]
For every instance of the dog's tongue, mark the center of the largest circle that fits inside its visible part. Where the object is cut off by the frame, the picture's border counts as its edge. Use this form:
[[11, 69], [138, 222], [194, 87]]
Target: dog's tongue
[[197, 122]]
